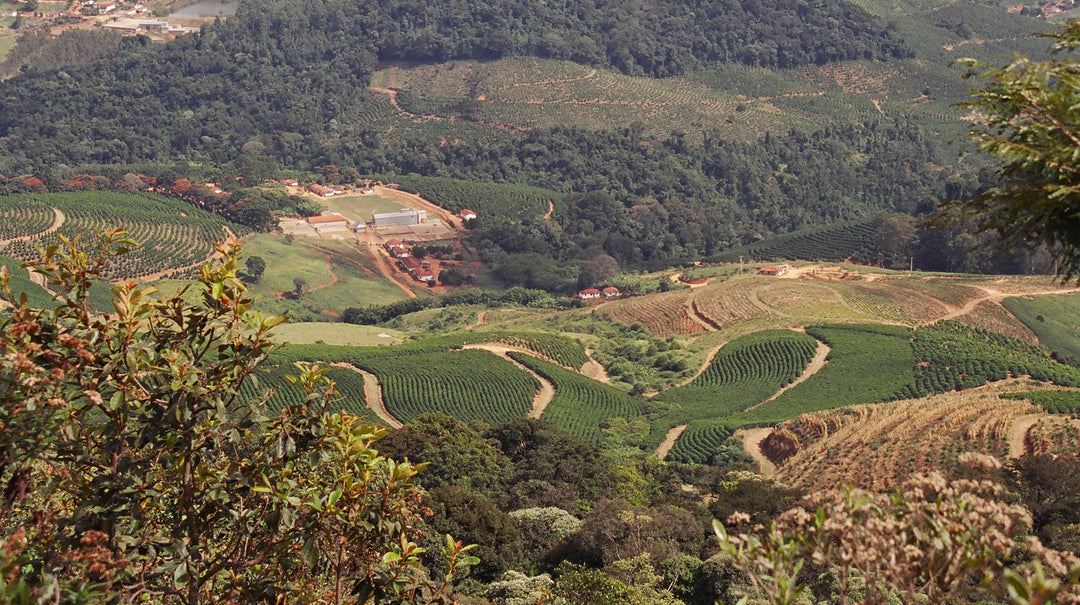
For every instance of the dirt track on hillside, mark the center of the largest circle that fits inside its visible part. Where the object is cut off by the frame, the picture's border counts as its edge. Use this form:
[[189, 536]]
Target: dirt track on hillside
[[751, 440], [373, 395], [547, 390], [669, 441]]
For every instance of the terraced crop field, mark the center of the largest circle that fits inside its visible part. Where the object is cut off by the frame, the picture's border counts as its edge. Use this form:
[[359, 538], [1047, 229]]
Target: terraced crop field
[[581, 405], [743, 374], [173, 236], [831, 243], [797, 301], [469, 385], [700, 442], [888, 301], [272, 377], [877, 445], [537, 93], [663, 315]]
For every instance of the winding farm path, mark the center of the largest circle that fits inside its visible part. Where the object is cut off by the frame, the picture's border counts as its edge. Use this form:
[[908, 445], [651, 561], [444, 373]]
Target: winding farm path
[[669, 441], [593, 369], [373, 395], [815, 366], [1018, 433], [547, 390], [996, 296], [388, 272], [751, 440], [58, 219]]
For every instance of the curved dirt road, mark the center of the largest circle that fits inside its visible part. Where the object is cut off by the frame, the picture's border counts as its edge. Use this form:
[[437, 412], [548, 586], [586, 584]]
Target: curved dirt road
[[996, 296], [594, 370], [58, 219], [669, 441], [547, 390], [751, 440], [373, 395], [1018, 433]]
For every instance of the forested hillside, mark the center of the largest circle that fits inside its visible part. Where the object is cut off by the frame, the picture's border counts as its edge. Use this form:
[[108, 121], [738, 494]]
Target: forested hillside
[[294, 73]]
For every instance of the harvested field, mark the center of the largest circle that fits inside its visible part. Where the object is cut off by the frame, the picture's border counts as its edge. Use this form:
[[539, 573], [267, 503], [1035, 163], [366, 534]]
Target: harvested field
[[877, 445], [662, 314]]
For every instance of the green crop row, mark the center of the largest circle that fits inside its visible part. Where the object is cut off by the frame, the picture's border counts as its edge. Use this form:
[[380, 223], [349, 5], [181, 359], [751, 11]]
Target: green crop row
[[833, 243], [701, 442], [1055, 402], [744, 373], [954, 356], [171, 234], [867, 363], [272, 380], [581, 406]]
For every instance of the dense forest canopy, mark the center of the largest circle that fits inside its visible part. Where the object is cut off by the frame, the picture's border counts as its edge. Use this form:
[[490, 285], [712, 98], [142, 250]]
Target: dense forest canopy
[[292, 75]]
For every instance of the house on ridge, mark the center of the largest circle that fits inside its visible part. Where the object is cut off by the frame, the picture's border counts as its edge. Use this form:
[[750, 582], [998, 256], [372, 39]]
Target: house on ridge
[[611, 292], [466, 214], [588, 294], [775, 270]]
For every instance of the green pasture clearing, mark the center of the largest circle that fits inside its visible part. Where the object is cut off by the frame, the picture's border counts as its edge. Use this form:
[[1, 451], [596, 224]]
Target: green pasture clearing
[[6, 44], [581, 406], [361, 207], [1054, 318], [313, 332], [306, 260]]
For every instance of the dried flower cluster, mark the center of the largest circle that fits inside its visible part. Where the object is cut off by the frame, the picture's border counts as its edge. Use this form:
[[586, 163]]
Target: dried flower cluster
[[933, 540]]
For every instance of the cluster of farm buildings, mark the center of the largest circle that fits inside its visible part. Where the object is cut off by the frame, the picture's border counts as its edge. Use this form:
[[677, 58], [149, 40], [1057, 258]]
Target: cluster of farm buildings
[[595, 294], [326, 223], [420, 270]]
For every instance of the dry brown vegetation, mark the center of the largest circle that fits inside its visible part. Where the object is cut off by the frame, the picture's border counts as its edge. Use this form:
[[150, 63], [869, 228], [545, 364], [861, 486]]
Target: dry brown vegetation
[[662, 314], [877, 445]]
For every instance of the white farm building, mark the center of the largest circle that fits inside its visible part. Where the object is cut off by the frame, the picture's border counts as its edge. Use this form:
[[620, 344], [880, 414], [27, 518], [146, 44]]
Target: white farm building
[[406, 216]]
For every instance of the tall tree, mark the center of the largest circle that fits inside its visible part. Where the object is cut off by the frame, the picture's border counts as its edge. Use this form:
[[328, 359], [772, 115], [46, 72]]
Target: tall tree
[[1025, 115]]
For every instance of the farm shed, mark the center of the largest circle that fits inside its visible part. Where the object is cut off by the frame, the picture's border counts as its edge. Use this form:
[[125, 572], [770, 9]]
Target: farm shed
[[405, 216], [328, 222], [776, 270]]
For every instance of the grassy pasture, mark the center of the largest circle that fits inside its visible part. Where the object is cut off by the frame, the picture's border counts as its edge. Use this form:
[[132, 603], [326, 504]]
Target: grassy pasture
[[350, 280], [361, 207], [7, 43], [331, 333], [1055, 319]]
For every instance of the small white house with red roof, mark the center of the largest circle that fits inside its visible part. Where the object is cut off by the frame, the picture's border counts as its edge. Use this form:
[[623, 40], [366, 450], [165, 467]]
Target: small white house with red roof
[[466, 214], [588, 294], [611, 292]]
